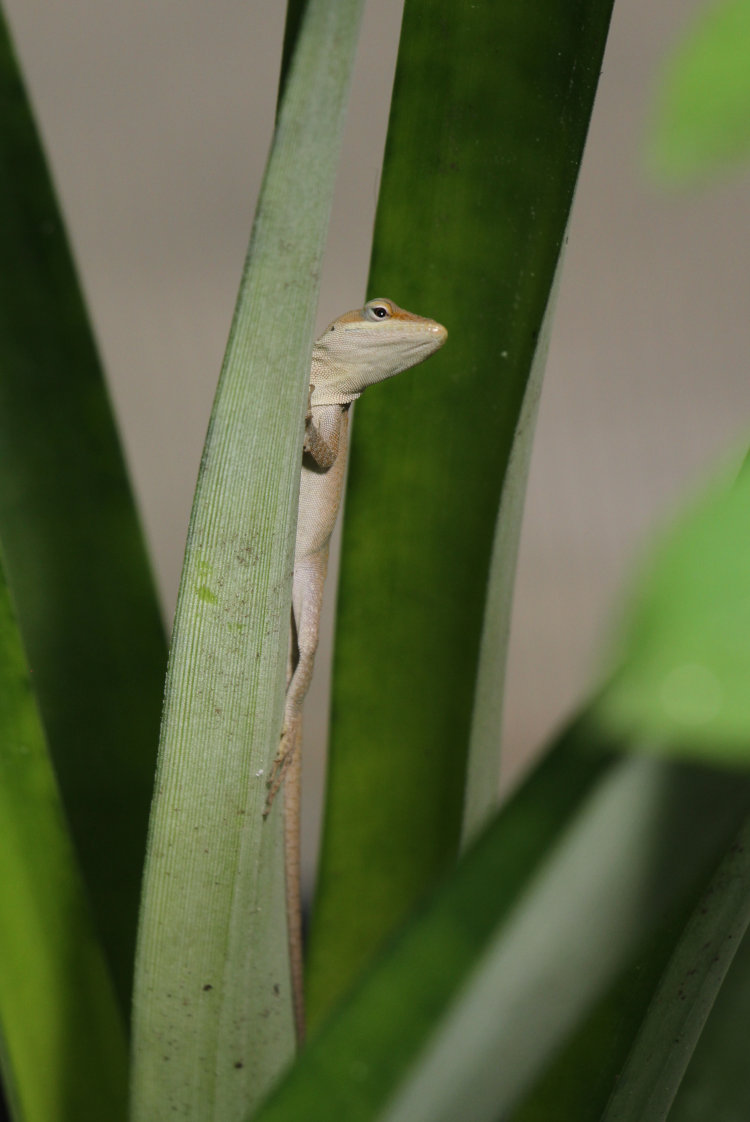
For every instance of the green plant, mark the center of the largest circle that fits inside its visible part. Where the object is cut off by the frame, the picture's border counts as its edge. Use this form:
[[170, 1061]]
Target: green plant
[[465, 961], [701, 120]]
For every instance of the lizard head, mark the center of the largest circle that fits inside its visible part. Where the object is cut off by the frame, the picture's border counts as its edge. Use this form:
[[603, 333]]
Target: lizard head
[[368, 346]]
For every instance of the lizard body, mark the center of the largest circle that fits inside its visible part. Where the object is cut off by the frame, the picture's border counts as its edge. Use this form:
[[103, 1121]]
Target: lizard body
[[355, 351]]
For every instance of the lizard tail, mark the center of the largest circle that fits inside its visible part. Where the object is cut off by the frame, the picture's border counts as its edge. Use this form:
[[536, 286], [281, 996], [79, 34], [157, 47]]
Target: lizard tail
[[292, 800]]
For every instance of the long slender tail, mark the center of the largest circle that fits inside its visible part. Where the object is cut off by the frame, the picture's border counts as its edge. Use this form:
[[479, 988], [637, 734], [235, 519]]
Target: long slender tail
[[292, 804]]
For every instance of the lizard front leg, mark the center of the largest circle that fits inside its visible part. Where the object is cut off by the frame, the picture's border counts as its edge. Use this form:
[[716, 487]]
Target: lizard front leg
[[322, 447]]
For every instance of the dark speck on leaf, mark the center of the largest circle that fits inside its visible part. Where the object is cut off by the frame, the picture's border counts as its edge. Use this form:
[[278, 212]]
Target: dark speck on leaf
[[208, 986], [239, 1064]]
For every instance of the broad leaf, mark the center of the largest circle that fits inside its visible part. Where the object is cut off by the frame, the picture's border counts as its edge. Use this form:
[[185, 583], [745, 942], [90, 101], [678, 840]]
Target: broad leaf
[[213, 1015], [490, 111]]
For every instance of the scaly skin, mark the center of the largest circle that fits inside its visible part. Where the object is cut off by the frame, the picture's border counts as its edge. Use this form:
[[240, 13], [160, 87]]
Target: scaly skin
[[357, 350]]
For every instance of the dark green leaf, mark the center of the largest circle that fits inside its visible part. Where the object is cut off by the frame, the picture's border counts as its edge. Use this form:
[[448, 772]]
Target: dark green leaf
[[62, 1040], [717, 1082], [73, 548], [647, 1085], [490, 112]]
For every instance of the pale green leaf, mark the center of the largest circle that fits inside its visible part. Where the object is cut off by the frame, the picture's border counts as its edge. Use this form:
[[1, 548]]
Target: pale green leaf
[[213, 1015]]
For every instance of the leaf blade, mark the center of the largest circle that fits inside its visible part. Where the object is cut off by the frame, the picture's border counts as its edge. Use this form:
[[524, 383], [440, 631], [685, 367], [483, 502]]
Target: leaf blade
[[680, 1007], [74, 551], [59, 1014], [716, 1082], [486, 942], [212, 981], [489, 117]]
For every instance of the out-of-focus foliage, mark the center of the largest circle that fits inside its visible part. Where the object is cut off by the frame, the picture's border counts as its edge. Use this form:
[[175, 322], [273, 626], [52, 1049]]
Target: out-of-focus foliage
[[701, 120], [682, 688]]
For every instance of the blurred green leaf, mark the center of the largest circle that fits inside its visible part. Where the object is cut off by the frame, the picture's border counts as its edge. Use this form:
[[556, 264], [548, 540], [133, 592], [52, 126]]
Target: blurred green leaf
[[62, 1040], [630, 853], [465, 1009], [682, 626], [682, 685], [212, 1012], [74, 554], [490, 112], [701, 120]]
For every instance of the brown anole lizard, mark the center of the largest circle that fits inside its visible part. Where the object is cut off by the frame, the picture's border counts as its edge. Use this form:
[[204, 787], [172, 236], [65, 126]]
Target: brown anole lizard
[[355, 351]]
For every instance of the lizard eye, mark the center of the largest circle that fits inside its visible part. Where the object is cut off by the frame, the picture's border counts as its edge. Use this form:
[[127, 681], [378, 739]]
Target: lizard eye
[[378, 311]]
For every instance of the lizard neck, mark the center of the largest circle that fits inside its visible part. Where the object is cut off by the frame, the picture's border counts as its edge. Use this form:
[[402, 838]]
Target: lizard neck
[[327, 376]]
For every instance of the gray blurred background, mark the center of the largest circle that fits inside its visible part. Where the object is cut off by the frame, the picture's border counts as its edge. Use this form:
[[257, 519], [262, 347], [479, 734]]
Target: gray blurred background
[[157, 118]]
